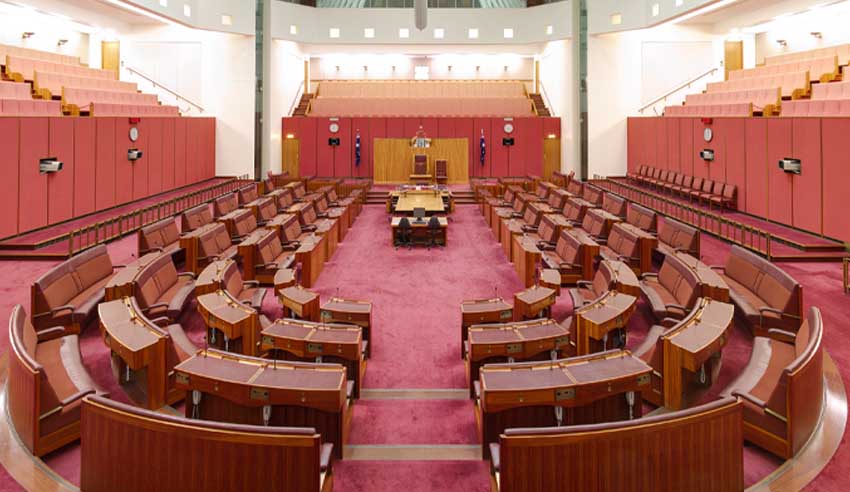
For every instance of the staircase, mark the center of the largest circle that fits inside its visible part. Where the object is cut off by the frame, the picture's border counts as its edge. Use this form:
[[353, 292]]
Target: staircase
[[301, 109], [539, 105]]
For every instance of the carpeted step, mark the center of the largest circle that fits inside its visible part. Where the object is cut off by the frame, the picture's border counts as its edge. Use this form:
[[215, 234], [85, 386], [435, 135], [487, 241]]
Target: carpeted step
[[391, 421]]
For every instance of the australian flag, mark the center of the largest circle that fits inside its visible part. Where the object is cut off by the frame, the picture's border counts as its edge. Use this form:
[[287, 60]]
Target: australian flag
[[357, 149], [483, 148]]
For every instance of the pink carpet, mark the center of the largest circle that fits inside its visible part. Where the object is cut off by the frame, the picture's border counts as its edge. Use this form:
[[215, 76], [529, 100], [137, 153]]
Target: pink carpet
[[416, 294]]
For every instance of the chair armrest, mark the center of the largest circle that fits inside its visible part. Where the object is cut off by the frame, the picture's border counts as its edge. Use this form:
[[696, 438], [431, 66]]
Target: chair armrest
[[76, 396], [323, 215], [647, 275], [767, 309], [150, 250], [750, 398], [678, 307], [569, 265], [291, 245], [155, 306], [236, 238], [46, 333], [585, 284], [116, 267], [718, 267], [250, 283], [66, 307], [781, 335], [309, 228], [601, 240], [669, 322], [529, 228], [544, 246], [187, 274], [161, 321]]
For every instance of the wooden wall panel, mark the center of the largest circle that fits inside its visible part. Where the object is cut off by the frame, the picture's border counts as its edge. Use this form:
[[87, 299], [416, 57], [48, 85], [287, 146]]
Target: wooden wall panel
[[807, 195], [446, 127], [394, 159], [211, 123], [193, 142], [307, 132], [105, 163], [836, 175], [736, 158], [60, 186], [661, 157], [363, 170], [168, 153], [686, 147], [85, 144], [756, 175], [482, 125], [32, 203], [499, 154], [700, 167], [9, 169], [716, 169], [672, 150], [180, 153], [533, 138], [779, 145], [153, 129], [343, 154], [140, 167], [123, 167], [395, 128], [464, 128], [324, 152], [517, 159], [377, 129]]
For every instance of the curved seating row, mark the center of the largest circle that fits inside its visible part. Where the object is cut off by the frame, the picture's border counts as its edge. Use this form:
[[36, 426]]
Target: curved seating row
[[225, 275], [34, 54], [740, 110], [161, 291], [333, 106], [822, 69], [841, 50], [791, 83], [421, 89]]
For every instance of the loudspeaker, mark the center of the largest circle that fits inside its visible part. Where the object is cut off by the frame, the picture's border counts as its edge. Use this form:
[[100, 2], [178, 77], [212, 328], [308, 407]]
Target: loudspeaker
[[333, 141], [507, 141]]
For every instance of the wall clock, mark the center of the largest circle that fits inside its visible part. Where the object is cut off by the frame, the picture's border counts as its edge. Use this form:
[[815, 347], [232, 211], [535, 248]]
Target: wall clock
[[509, 128], [134, 134], [708, 134], [334, 127]]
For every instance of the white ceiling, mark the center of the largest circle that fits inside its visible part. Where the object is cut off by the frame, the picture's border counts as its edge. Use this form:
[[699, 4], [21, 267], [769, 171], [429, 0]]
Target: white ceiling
[[745, 13]]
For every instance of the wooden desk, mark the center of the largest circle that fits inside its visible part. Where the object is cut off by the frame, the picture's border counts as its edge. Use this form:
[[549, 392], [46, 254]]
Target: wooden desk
[[238, 324], [121, 283], [298, 301], [306, 341], [284, 278], [534, 302], [648, 243], [350, 311], [551, 278], [509, 230], [623, 277], [210, 278], [431, 201], [713, 285], [526, 257], [592, 389], [393, 158], [329, 230], [278, 223], [692, 349], [482, 311], [136, 344], [540, 339], [311, 255], [189, 242], [250, 254], [421, 228], [595, 321], [226, 387]]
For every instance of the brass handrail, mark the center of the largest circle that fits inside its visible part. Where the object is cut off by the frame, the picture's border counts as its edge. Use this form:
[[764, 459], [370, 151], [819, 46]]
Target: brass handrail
[[683, 85]]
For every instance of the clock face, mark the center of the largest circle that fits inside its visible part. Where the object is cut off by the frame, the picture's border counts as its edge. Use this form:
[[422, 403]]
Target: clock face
[[134, 134], [333, 127], [509, 128], [707, 134]]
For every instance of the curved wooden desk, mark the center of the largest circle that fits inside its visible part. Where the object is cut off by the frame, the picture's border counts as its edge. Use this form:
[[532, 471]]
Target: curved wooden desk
[[597, 388], [137, 345], [350, 311], [525, 257], [712, 284], [622, 277], [234, 388], [539, 339], [593, 322], [190, 242], [121, 283], [306, 341], [311, 255], [231, 325], [210, 278], [479, 312], [534, 302]]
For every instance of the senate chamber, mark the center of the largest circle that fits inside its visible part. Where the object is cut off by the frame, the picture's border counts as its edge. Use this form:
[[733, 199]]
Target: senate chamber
[[424, 245]]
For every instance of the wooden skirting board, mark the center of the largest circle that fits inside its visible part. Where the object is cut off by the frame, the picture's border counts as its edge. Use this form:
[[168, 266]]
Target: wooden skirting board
[[394, 159]]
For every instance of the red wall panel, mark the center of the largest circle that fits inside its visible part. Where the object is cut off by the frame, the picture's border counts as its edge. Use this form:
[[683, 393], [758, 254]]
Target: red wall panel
[[168, 125], [660, 129], [517, 154], [672, 149], [411, 125], [343, 154], [807, 192], [756, 141], [140, 166], [736, 157], [633, 153], [105, 163], [192, 157], [153, 129], [85, 143], [446, 127], [551, 126], [499, 154], [32, 203], [700, 167], [211, 129], [464, 128], [395, 128], [836, 175], [533, 140], [305, 132], [716, 169], [779, 145], [123, 167], [60, 186], [686, 147], [180, 148], [9, 157], [324, 152], [431, 126], [363, 170], [482, 125]]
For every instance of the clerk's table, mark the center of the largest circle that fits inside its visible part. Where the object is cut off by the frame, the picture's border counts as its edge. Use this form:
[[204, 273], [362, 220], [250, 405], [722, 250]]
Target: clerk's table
[[420, 227]]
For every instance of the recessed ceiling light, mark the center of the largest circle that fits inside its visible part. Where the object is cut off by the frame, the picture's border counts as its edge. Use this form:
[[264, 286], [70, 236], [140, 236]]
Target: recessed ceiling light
[[226, 20], [404, 33], [293, 29], [439, 33], [473, 33], [656, 9], [164, 3], [550, 30], [616, 19], [508, 33], [679, 3], [369, 32], [187, 10], [333, 32]]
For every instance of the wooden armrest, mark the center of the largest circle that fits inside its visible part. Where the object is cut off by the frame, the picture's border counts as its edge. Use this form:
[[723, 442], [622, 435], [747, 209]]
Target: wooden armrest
[[528, 228], [718, 267], [50, 331], [781, 335], [309, 228], [647, 275], [750, 398], [237, 238], [187, 274], [66, 307], [584, 284], [149, 250], [569, 265], [116, 267], [250, 283], [542, 245], [76, 396], [161, 321], [781, 314], [291, 245], [679, 307], [627, 259], [155, 306], [668, 322]]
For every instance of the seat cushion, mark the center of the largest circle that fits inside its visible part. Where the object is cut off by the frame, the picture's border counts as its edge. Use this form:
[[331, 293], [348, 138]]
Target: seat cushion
[[658, 297], [252, 296], [581, 296], [744, 299], [183, 347], [85, 303], [177, 296]]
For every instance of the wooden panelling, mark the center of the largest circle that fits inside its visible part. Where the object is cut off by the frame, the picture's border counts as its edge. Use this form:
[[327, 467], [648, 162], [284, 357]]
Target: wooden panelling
[[105, 163], [306, 132], [343, 154], [32, 203], [364, 169], [477, 168], [756, 155], [736, 157], [85, 145], [499, 153], [153, 154], [533, 138], [123, 167], [700, 167], [779, 146], [807, 191], [141, 166], [836, 175], [324, 152], [60, 186], [291, 156], [673, 143], [168, 154], [686, 148], [394, 159], [395, 128], [9, 154]]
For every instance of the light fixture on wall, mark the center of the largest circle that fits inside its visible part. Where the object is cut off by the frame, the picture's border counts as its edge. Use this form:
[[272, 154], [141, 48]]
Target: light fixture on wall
[[450, 68], [187, 10], [506, 68], [473, 33], [616, 19], [508, 33], [163, 3], [477, 68], [404, 33], [337, 68], [817, 34], [549, 30], [333, 33], [369, 32], [393, 68], [293, 29], [782, 42], [439, 33], [365, 68], [27, 35], [61, 42], [226, 20]]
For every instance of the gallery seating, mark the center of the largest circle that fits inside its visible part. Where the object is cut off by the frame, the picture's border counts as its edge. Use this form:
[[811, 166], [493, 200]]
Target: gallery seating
[[49, 83], [791, 83], [761, 99], [225, 204], [609, 276], [782, 387], [494, 107], [631, 246], [743, 110], [295, 457], [100, 102], [841, 50], [20, 69], [16, 100], [642, 217], [816, 107], [700, 448], [225, 275], [109, 109], [421, 88], [161, 291], [572, 256], [161, 236], [215, 243], [195, 218], [67, 295], [674, 237], [47, 381], [823, 69], [764, 295], [268, 256], [239, 223], [672, 291], [34, 54]]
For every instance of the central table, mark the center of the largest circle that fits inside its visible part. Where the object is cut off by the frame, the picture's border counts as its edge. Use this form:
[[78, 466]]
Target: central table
[[421, 227]]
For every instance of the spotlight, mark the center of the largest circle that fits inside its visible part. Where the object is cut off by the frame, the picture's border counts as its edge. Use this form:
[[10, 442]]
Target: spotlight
[[782, 42], [27, 35], [817, 34], [61, 42]]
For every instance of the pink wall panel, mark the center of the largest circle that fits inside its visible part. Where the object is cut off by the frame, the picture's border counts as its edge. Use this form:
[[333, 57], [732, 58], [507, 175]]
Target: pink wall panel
[[9, 154], [499, 154], [686, 147], [60, 186], [85, 143], [105, 163], [153, 129], [479, 125], [377, 129], [649, 141], [211, 128], [140, 167], [123, 167], [464, 128], [342, 155], [779, 145], [411, 125], [756, 175], [180, 147], [534, 146], [32, 203], [431, 126], [716, 169], [446, 127], [305, 132], [672, 150], [395, 128], [324, 152], [736, 157], [192, 157], [660, 129], [168, 154], [836, 175], [807, 192], [633, 157], [700, 167], [552, 126], [517, 155], [361, 125]]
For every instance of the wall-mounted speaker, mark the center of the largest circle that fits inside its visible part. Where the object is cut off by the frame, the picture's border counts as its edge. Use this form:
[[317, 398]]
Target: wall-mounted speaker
[[333, 141]]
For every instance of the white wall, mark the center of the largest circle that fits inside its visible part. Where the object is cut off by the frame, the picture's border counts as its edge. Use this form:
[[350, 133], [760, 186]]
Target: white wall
[[557, 81], [214, 70], [796, 30], [623, 74], [286, 75], [47, 29], [504, 66]]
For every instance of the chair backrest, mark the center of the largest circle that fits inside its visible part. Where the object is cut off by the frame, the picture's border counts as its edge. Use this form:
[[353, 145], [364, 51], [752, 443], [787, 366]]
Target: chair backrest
[[532, 215], [404, 223], [291, 229], [244, 223], [223, 205], [231, 278], [269, 247], [696, 184], [623, 242], [592, 194], [680, 280], [680, 236], [247, 194], [641, 217], [214, 241], [65, 281], [441, 168], [434, 222], [420, 164], [267, 209], [613, 204], [547, 229], [575, 187], [195, 218], [766, 280], [158, 235], [155, 279], [308, 214], [557, 198]]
